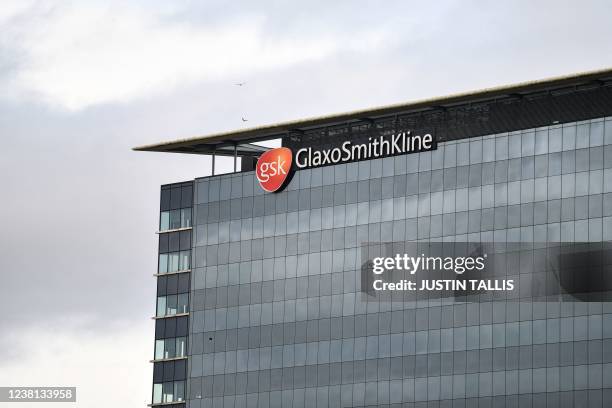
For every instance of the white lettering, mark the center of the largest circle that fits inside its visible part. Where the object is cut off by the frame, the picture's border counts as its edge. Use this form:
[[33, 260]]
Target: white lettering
[[299, 163], [427, 139], [396, 149], [346, 150], [361, 149], [399, 143]]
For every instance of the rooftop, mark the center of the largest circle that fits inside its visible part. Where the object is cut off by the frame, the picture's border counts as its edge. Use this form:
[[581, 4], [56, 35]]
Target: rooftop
[[238, 142]]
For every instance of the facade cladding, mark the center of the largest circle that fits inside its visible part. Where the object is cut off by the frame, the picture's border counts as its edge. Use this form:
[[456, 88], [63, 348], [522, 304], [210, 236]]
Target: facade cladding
[[259, 301]]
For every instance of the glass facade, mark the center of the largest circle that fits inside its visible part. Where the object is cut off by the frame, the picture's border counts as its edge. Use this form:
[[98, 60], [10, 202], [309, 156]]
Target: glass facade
[[172, 302], [275, 313], [175, 219]]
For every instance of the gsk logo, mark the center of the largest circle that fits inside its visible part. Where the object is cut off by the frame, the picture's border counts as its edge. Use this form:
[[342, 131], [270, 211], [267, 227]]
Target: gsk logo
[[273, 167]]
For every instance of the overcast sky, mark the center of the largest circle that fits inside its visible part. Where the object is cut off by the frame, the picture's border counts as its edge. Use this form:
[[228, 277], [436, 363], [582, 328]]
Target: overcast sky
[[83, 82]]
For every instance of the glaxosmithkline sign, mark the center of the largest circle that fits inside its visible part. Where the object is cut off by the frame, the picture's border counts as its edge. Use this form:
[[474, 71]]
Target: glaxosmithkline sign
[[273, 167]]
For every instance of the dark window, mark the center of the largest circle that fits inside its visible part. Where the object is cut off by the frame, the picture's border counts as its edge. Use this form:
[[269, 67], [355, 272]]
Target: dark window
[[175, 198], [187, 196], [165, 200]]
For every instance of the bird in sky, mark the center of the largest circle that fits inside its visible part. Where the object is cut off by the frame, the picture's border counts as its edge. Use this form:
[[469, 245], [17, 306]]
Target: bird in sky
[[244, 120], [240, 83]]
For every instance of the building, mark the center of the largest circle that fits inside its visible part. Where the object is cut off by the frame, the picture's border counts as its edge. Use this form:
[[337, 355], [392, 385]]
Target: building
[[258, 296]]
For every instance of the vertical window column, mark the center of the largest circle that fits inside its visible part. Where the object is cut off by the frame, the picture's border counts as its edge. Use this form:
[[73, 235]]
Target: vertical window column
[[172, 305]]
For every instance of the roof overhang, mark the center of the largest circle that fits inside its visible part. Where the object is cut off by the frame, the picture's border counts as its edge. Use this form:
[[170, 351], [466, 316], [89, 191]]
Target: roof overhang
[[239, 142]]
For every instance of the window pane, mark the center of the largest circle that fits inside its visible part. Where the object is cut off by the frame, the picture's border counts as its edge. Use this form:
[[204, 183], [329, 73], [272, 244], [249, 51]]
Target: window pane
[[157, 393], [170, 350], [186, 217], [183, 300], [168, 392], [181, 346], [159, 349], [163, 263], [184, 261], [164, 221], [171, 305], [179, 391], [161, 306], [173, 262], [175, 219]]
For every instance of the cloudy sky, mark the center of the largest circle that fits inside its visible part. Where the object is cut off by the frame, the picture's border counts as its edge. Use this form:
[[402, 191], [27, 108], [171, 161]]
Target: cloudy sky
[[83, 82]]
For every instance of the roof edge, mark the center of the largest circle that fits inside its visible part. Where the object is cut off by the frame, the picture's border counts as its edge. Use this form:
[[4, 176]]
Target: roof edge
[[360, 114]]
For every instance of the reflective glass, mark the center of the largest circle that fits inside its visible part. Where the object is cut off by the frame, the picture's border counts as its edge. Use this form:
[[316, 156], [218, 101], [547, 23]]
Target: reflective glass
[[173, 262], [157, 393], [184, 260], [168, 392], [182, 303], [159, 349], [175, 219], [169, 348], [163, 263], [161, 306], [278, 319], [185, 217], [181, 347], [171, 305], [179, 391], [164, 221]]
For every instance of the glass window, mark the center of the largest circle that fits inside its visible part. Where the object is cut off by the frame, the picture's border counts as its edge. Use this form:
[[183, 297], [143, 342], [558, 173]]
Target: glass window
[[173, 262], [182, 303], [185, 217], [181, 347], [159, 349], [569, 137], [168, 392], [169, 348], [175, 219], [555, 140], [541, 165], [528, 144], [184, 260], [514, 147], [161, 306], [179, 391], [554, 164], [541, 141], [171, 305], [164, 221], [163, 263], [157, 393]]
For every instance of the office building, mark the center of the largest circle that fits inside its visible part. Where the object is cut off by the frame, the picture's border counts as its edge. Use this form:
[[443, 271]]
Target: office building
[[259, 297]]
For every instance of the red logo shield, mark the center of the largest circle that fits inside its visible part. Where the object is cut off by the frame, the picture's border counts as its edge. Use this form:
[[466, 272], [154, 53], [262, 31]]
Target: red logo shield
[[273, 167]]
